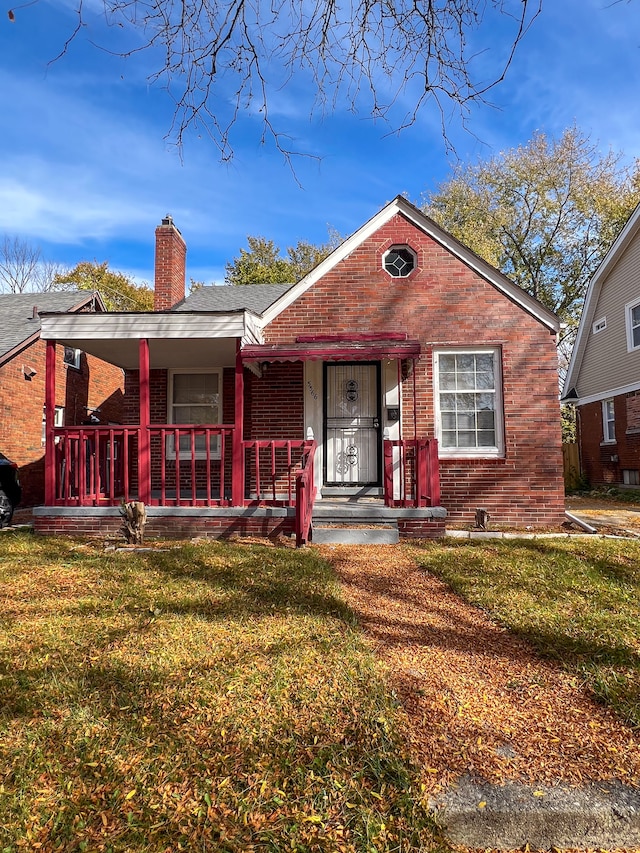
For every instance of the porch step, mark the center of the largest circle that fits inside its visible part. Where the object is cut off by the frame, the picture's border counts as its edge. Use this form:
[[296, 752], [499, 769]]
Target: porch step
[[341, 535], [352, 492], [347, 521]]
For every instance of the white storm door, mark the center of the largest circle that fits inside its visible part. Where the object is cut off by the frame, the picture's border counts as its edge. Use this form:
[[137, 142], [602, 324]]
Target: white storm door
[[352, 424]]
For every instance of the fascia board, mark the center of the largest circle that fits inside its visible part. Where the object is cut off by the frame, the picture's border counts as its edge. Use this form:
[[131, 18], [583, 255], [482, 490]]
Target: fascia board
[[605, 395], [593, 294], [137, 326], [338, 254], [424, 223]]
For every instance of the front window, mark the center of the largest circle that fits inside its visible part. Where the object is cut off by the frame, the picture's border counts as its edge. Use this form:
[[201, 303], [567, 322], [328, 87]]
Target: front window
[[608, 421], [469, 402], [195, 398]]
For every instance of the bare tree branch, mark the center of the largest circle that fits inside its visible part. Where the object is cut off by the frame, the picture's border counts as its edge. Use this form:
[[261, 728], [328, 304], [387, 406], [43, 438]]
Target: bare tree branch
[[221, 59]]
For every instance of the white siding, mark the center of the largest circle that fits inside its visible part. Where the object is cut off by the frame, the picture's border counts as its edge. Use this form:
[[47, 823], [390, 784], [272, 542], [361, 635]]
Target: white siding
[[606, 364]]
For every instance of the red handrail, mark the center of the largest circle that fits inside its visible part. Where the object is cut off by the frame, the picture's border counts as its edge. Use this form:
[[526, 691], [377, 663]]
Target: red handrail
[[305, 494]]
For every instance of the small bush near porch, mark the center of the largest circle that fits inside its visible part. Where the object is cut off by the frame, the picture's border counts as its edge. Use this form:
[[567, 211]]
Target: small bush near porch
[[207, 697], [574, 600]]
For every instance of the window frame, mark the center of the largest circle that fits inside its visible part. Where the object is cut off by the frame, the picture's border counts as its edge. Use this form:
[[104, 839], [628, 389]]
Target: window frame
[[628, 309], [396, 248], [608, 424], [496, 451], [170, 450], [76, 357], [58, 420], [599, 325]]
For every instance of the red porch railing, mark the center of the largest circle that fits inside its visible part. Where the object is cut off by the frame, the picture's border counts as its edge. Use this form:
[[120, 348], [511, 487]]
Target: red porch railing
[[189, 466], [93, 464], [411, 473]]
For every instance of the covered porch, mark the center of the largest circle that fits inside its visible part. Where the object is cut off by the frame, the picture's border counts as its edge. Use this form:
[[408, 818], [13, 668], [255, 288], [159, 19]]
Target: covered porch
[[208, 476]]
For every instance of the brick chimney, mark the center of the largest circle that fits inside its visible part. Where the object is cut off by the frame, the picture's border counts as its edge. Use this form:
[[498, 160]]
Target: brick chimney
[[171, 253]]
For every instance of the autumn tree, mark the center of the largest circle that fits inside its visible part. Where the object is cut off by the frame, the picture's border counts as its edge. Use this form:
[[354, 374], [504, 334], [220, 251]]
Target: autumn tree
[[120, 293], [263, 263], [221, 59], [544, 213], [22, 267]]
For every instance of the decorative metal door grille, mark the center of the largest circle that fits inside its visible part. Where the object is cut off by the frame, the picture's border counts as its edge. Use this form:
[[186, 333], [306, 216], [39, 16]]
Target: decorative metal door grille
[[352, 412]]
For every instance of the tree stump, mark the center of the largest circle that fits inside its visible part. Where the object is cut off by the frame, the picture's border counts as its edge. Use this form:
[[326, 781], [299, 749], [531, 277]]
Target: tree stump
[[134, 517]]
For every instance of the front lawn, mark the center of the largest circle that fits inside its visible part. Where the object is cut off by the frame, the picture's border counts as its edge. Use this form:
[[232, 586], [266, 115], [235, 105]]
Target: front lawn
[[574, 600], [208, 697]]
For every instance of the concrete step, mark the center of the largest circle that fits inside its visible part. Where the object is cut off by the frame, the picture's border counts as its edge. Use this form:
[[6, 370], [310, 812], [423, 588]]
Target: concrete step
[[380, 534], [352, 492]]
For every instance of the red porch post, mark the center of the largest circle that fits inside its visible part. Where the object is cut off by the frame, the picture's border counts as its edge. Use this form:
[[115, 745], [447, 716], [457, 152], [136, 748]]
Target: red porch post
[[144, 447], [49, 415], [237, 469]]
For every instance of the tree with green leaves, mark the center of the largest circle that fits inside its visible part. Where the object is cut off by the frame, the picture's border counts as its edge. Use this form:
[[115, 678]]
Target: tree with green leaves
[[544, 213], [120, 293], [262, 262]]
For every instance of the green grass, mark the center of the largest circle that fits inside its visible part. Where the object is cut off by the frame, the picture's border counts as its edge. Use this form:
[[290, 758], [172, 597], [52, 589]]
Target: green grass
[[575, 600], [210, 697]]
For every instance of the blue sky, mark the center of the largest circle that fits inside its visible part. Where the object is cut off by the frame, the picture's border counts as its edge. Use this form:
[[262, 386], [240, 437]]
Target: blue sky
[[87, 171]]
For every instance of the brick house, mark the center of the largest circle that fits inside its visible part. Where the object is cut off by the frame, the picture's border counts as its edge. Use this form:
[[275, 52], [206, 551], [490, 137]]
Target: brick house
[[85, 386], [603, 379], [403, 376]]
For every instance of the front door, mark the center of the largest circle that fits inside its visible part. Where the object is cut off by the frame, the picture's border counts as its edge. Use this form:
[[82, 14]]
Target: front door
[[352, 423]]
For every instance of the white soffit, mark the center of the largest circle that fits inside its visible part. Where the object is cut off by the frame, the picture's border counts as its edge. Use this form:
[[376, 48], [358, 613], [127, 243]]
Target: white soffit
[[70, 327]]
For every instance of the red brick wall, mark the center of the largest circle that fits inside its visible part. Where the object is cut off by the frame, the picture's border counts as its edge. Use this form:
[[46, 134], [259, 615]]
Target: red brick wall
[[170, 275], [603, 464], [96, 385], [444, 303], [168, 527]]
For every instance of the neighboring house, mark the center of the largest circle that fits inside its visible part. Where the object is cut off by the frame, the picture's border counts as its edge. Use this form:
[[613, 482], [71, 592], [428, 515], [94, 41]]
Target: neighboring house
[[603, 380], [86, 388], [402, 374]]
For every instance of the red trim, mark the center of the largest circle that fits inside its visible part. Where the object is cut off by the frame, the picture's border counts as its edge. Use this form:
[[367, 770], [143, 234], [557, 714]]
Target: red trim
[[144, 444], [347, 352], [237, 464], [382, 336], [49, 410]]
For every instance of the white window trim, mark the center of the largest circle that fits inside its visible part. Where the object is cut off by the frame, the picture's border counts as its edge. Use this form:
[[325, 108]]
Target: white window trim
[[496, 452], [599, 325], [627, 319], [58, 420], [170, 450], [606, 439], [76, 357]]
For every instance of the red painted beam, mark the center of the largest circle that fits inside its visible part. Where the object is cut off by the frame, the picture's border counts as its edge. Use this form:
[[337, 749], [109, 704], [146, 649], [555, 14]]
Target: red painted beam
[[50, 410], [144, 442], [237, 452]]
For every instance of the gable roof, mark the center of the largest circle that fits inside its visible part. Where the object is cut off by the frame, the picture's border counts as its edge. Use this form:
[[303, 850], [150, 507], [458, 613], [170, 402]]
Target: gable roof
[[401, 206], [233, 297], [19, 327], [620, 244]]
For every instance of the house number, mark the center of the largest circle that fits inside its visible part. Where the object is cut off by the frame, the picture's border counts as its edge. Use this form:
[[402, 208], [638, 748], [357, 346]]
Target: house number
[[312, 390]]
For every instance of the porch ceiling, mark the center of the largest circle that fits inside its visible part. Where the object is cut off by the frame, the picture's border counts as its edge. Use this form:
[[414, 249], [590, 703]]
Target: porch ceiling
[[164, 353]]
